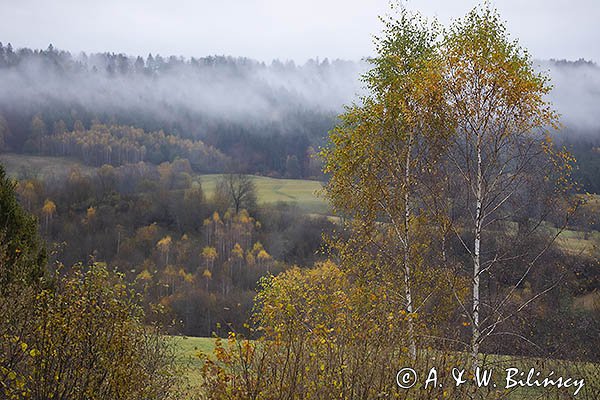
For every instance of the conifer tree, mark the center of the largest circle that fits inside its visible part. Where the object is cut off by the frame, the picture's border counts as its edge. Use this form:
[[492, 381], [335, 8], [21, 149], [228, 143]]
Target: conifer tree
[[22, 254]]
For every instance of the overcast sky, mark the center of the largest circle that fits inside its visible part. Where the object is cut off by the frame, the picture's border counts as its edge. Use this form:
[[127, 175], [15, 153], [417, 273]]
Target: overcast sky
[[268, 29]]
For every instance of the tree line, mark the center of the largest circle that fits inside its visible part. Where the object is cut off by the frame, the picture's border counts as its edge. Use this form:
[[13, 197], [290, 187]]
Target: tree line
[[278, 138], [266, 116], [119, 145]]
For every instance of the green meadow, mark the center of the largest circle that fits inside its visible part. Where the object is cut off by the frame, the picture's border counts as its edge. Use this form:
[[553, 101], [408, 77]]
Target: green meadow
[[304, 193], [42, 167]]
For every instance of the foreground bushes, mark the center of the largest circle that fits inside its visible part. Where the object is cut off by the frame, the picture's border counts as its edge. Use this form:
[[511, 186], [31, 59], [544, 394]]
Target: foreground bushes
[[323, 335], [82, 339]]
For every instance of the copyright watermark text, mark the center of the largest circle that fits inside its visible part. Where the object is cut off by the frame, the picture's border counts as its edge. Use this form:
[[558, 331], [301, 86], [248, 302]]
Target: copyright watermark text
[[508, 378]]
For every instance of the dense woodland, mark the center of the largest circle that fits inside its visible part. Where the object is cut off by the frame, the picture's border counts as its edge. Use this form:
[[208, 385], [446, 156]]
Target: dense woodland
[[191, 252], [269, 119]]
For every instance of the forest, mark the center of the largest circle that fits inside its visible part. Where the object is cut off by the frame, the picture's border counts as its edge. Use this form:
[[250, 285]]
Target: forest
[[195, 253], [446, 213], [270, 119]]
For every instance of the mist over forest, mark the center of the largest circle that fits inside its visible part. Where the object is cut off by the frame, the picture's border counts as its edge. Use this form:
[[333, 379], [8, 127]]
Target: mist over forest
[[576, 93], [233, 89], [255, 113]]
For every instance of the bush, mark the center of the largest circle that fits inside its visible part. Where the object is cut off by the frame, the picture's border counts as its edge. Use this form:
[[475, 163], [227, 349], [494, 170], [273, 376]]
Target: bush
[[85, 339], [325, 336], [322, 337]]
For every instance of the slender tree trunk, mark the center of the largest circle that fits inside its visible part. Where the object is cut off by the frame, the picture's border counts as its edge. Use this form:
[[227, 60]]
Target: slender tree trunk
[[475, 339], [209, 323], [407, 289], [444, 256]]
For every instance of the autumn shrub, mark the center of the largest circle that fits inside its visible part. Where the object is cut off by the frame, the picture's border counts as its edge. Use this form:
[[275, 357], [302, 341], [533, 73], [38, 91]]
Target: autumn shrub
[[323, 336], [83, 339]]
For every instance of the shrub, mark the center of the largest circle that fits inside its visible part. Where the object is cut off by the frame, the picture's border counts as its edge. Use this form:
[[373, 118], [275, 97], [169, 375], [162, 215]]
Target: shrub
[[85, 339]]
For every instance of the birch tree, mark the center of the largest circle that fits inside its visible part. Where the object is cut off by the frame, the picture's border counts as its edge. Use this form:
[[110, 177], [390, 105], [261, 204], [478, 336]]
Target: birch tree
[[505, 171], [164, 246], [379, 155], [48, 211]]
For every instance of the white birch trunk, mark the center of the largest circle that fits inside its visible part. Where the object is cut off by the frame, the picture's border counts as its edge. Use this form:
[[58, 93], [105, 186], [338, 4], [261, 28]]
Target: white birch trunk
[[475, 339], [407, 273]]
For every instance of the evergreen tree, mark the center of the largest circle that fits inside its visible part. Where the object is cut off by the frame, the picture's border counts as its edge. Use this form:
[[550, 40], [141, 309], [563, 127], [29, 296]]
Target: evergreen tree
[[22, 254]]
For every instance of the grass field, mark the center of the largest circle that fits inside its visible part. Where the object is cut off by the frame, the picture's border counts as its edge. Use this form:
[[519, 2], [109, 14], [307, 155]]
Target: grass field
[[576, 242], [304, 193], [20, 165], [187, 349]]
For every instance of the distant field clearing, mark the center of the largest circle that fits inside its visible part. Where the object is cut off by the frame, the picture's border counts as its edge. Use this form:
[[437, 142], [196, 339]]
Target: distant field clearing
[[270, 190], [20, 165]]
